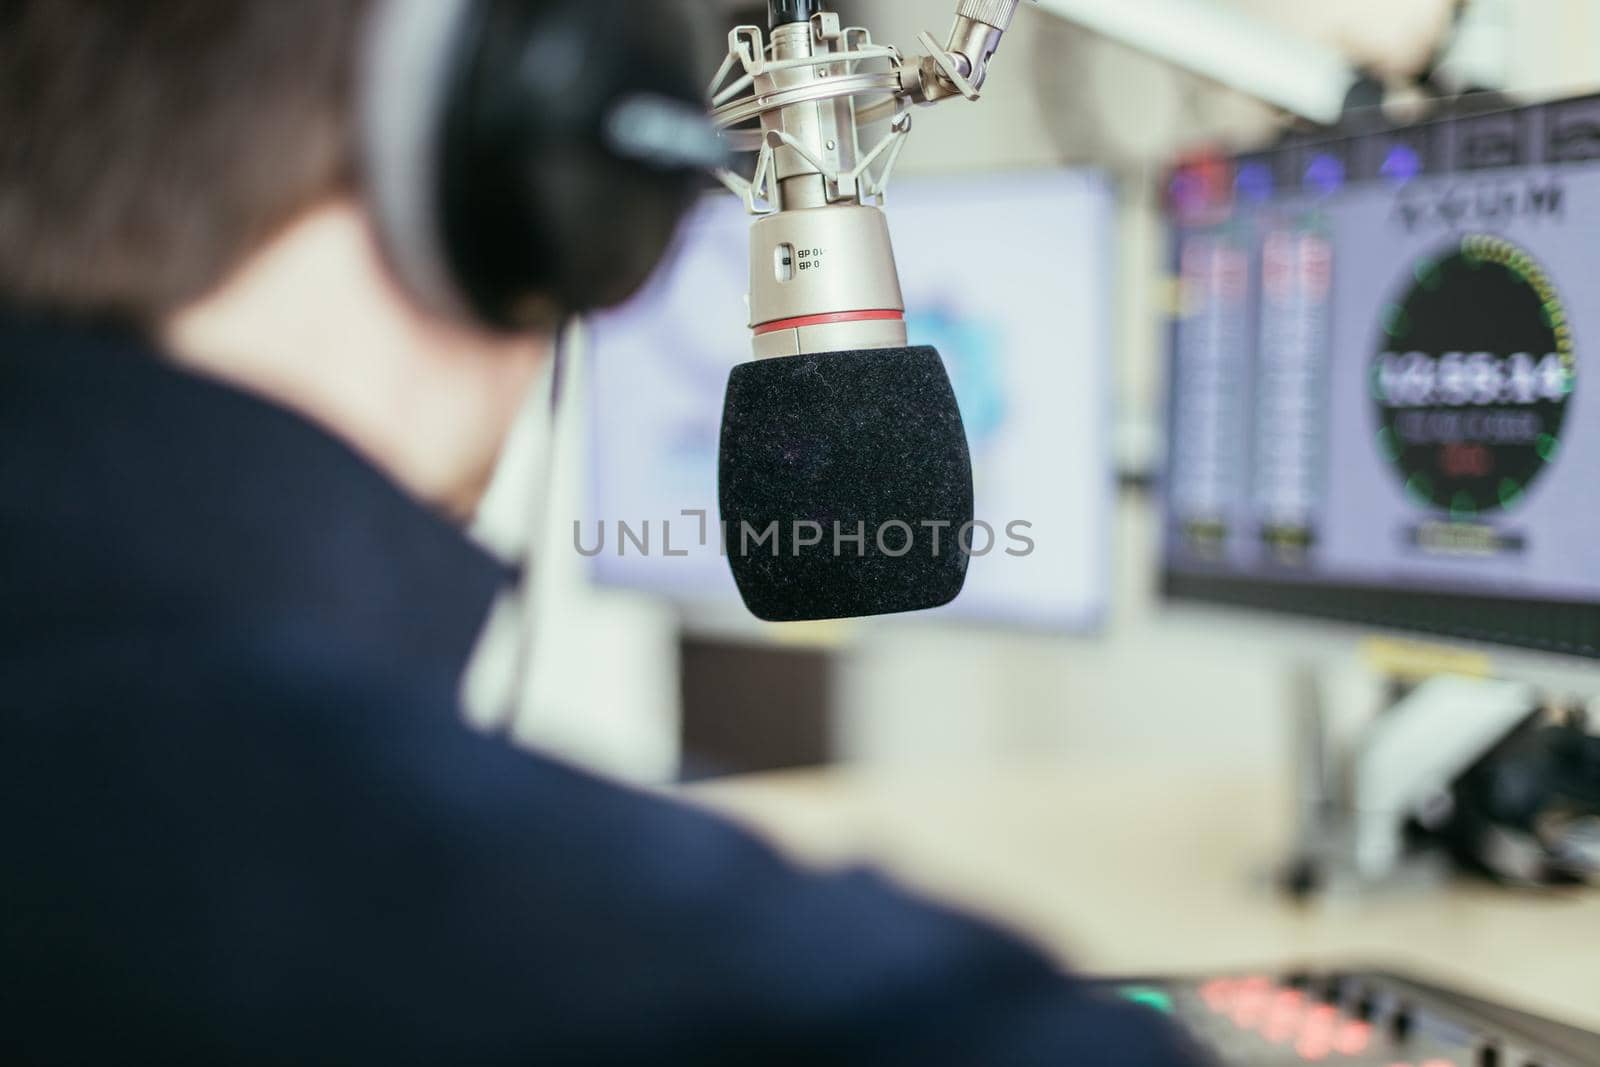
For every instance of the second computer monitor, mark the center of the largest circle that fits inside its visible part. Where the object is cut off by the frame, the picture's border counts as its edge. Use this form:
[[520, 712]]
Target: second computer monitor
[[1381, 410]]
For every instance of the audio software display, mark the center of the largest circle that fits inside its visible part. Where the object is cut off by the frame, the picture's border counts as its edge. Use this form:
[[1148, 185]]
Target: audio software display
[[1018, 307], [1384, 401]]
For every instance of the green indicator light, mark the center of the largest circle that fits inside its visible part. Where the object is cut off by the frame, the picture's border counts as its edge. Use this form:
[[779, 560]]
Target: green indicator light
[[1396, 323], [1149, 996], [1462, 506], [1510, 492], [1547, 447], [1420, 488]]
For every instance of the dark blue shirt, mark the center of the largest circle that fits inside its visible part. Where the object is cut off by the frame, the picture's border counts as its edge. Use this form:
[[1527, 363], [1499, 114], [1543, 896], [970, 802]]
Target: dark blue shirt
[[242, 820]]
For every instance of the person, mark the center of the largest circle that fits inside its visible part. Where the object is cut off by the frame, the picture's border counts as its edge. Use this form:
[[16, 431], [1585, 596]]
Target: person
[[242, 817]]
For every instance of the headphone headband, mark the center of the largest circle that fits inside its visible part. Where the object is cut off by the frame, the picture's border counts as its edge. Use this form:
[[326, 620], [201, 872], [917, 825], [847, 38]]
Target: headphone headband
[[403, 101]]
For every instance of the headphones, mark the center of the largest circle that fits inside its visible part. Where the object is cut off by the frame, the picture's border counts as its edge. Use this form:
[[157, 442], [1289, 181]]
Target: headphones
[[527, 160]]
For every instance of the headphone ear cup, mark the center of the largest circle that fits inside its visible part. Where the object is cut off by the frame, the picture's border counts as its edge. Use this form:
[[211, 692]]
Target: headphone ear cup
[[546, 209], [552, 150]]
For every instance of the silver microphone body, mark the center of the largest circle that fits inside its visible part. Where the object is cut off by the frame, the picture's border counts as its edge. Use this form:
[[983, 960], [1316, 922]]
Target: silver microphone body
[[824, 279], [822, 271]]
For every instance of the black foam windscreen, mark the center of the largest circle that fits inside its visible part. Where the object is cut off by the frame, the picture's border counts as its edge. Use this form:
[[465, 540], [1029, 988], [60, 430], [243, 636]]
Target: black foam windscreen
[[845, 484]]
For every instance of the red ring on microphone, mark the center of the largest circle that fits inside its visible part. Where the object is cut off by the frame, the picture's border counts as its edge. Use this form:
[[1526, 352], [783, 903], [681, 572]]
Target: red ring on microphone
[[824, 320]]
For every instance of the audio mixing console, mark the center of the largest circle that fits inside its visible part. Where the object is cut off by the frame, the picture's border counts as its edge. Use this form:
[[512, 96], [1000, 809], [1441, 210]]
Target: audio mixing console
[[1357, 1020]]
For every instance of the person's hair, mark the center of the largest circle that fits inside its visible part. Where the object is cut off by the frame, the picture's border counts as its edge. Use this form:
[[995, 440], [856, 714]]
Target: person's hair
[[147, 147]]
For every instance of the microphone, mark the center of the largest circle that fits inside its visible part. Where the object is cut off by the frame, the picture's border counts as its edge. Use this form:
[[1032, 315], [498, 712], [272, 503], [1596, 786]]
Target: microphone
[[845, 481]]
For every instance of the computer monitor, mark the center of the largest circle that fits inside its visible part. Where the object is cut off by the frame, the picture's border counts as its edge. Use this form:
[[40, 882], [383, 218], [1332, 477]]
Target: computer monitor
[[1380, 409], [1008, 276]]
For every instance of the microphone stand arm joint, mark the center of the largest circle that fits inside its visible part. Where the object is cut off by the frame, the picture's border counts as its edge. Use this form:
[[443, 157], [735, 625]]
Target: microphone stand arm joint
[[961, 66]]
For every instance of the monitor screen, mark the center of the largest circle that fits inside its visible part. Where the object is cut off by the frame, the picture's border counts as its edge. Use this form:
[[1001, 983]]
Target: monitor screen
[[1007, 276], [1380, 408]]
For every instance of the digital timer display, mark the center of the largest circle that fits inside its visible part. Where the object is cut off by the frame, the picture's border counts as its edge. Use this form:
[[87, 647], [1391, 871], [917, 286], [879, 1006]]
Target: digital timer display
[[1474, 376]]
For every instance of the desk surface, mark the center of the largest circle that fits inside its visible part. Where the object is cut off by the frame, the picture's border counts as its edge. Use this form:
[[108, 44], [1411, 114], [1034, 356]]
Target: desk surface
[[1136, 870]]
